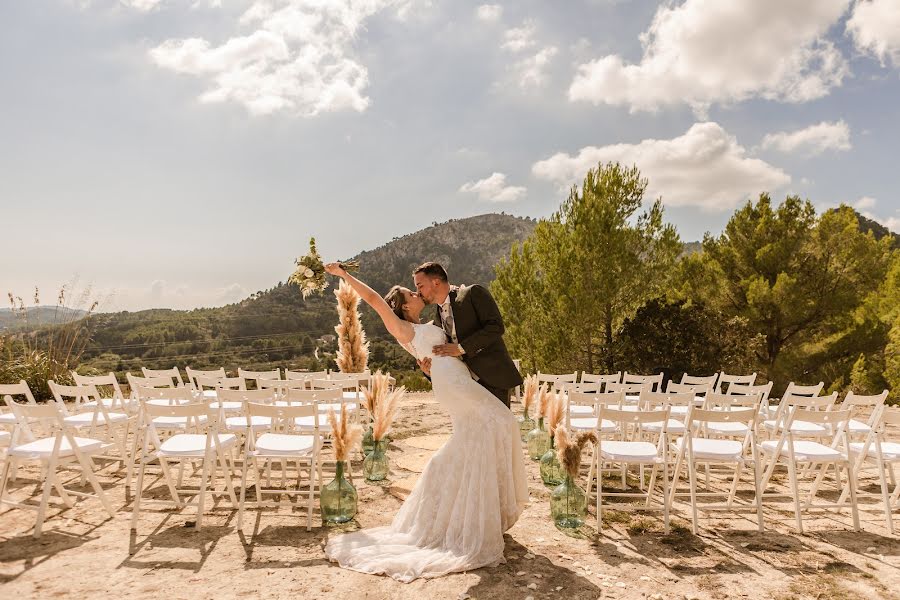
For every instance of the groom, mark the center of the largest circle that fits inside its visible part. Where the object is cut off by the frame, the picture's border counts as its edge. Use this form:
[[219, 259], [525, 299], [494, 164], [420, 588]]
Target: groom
[[473, 327]]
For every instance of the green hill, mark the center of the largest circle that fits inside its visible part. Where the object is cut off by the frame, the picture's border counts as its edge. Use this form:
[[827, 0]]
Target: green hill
[[278, 326]]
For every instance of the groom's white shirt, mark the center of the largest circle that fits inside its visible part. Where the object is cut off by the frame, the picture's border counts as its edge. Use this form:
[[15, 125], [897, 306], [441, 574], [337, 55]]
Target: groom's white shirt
[[446, 310]]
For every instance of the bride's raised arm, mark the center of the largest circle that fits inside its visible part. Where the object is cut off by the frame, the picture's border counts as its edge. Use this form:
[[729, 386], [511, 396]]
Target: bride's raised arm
[[399, 328]]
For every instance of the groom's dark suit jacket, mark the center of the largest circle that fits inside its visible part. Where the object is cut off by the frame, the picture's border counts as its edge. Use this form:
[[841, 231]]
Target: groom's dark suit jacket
[[479, 329]]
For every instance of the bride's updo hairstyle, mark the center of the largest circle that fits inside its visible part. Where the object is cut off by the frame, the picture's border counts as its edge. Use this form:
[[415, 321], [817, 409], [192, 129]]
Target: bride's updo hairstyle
[[396, 300]]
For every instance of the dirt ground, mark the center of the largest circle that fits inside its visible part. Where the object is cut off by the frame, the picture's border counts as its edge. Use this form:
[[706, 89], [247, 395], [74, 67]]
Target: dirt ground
[[84, 554]]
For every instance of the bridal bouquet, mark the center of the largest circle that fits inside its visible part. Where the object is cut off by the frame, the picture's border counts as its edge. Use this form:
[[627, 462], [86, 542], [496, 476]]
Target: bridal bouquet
[[310, 272]]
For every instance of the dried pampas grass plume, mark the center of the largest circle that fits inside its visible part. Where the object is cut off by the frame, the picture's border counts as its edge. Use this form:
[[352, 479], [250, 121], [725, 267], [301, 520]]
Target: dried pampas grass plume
[[544, 399], [344, 436], [384, 413], [375, 391], [353, 349], [569, 451], [554, 412], [529, 391]]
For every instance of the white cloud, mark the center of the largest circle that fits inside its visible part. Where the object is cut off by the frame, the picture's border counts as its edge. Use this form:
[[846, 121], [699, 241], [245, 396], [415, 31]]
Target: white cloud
[[865, 203], [892, 223], [875, 28], [142, 5], [520, 38], [231, 294], [703, 52], [494, 189], [489, 12], [530, 71], [705, 167], [297, 57], [811, 140]]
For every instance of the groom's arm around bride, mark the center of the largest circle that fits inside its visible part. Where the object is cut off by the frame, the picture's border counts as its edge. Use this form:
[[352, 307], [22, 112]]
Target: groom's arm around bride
[[475, 324]]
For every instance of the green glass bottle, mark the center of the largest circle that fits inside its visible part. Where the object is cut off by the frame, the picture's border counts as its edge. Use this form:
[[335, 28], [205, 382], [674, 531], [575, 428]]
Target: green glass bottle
[[368, 442], [538, 440], [526, 424], [338, 499], [376, 465], [568, 504], [552, 473]]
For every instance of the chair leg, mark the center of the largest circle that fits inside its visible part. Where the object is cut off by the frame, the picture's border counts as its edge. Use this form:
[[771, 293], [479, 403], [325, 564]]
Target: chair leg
[[676, 473], [229, 486], [851, 481], [692, 477], [87, 468], [243, 492], [5, 476], [173, 488], [665, 494], [795, 491], [734, 484], [201, 504], [45, 496], [758, 497], [885, 497], [137, 495]]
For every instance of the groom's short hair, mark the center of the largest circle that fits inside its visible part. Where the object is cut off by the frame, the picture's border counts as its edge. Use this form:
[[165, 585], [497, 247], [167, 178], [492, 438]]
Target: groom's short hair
[[432, 269]]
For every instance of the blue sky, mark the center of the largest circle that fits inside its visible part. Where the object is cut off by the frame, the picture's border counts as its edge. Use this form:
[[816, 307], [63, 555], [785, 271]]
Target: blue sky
[[180, 153]]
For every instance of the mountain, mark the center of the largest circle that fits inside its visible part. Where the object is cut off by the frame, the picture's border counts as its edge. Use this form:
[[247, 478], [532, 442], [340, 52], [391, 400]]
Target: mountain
[[878, 230], [37, 316], [278, 326]]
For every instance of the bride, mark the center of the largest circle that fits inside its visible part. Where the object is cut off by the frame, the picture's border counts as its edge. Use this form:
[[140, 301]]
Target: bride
[[472, 490]]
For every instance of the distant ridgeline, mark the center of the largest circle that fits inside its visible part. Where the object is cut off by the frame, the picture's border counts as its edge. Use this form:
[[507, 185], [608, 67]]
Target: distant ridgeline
[[278, 326]]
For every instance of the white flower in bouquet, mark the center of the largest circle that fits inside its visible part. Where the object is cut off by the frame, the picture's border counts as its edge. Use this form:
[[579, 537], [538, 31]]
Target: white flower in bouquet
[[310, 273]]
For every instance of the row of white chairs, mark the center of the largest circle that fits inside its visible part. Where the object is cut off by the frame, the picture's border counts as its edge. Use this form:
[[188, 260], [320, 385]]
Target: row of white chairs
[[682, 428], [80, 427], [718, 382]]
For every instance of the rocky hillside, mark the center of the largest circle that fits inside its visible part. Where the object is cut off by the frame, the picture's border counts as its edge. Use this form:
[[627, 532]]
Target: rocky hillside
[[468, 249]]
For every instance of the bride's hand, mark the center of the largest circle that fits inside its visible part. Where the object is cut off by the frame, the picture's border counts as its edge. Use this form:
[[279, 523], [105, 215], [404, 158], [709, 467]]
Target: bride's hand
[[335, 269]]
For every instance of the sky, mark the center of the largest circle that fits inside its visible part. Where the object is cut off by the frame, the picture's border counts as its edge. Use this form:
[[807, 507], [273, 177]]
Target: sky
[[180, 153]]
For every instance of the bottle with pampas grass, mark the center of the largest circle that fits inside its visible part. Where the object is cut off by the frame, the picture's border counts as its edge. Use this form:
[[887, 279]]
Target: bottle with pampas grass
[[551, 470], [538, 439], [372, 394], [529, 390], [338, 500], [376, 465], [568, 502]]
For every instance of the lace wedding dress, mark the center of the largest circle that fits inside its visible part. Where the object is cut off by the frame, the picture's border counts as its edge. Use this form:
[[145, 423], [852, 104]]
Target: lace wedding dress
[[472, 490]]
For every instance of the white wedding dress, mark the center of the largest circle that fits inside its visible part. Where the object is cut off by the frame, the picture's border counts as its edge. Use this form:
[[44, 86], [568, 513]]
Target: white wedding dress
[[472, 490]]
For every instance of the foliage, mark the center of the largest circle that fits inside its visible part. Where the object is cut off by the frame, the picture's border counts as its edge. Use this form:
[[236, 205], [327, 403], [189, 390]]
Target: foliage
[[584, 271], [682, 337], [795, 277], [40, 352]]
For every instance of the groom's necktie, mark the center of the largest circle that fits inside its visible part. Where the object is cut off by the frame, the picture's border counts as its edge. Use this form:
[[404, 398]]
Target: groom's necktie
[[447, 320]]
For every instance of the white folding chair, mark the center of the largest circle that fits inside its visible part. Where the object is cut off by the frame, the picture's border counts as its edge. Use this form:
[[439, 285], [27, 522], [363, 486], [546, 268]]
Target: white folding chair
[[802, 428], [286, 445], [238, 422], [194, 373], [699, 392], [884, 454], [89, 412], [794, 452], [174, 374], [207, 446], [705, 380], [601, 379], [58, 449], [135, 382], [634, 453], [115, 400], [557, 381], [654, 381], [705, 446], [856, 403], [15, 393], [255, 376], [306, 376], [807, 391], [632, 391], [729, 380]]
